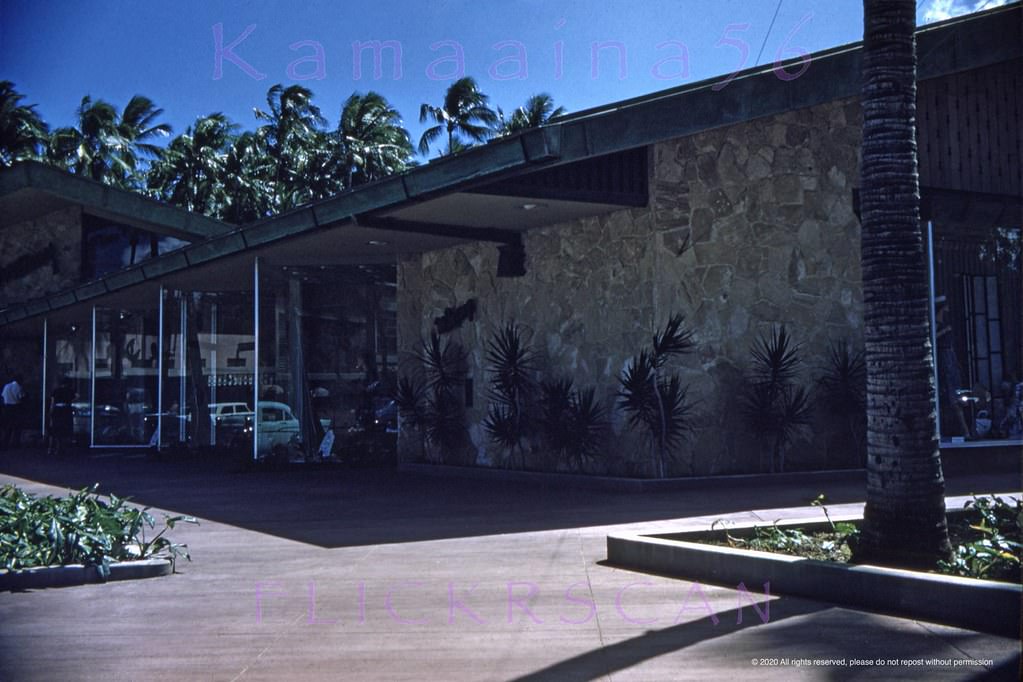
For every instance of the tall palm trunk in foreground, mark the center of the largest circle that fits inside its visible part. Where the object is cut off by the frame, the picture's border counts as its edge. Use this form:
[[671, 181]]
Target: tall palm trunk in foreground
[[905, 513]]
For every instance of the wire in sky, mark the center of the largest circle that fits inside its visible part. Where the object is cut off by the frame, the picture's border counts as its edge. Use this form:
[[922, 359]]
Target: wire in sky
[[769, 29]]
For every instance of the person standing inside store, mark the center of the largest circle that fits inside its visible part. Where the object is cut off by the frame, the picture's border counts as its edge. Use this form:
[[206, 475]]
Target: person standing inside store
[[13, 397], [61, 417]]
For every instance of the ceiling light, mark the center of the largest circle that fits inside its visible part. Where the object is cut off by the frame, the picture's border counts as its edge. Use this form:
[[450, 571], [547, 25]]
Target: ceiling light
[[530, 207], [376, 242]]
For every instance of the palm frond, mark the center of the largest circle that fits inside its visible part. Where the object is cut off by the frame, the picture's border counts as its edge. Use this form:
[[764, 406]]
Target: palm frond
[[674, 339], [843, 385], [511, 364], [636, 393], [776, 358]]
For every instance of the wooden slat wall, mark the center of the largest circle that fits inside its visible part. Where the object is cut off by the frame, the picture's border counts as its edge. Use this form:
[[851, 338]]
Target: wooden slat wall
[[620, 176], [968, 130]]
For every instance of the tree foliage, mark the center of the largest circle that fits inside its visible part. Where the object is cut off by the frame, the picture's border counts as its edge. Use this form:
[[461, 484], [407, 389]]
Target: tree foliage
[[465, 117]]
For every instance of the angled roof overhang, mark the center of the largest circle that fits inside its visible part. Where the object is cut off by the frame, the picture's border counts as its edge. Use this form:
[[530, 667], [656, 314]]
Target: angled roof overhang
[[482, 193], [31, 190]]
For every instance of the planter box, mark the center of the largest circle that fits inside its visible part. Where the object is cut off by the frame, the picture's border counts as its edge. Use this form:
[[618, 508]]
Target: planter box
[[982, 605], [77, 574]]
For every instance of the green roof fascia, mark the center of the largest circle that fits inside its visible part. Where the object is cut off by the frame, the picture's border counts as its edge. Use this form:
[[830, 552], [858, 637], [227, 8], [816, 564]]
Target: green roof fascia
[[217, 247], [90, 290], [37, 307], [103, 199], [124, 278], [62, 300], [171, 262]]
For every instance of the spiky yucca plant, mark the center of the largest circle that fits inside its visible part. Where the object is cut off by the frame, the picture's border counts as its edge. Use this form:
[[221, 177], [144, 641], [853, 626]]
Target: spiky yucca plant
[[654, 402], [511, 365], [429, 400], [777, 409], [843, 389], [574, 422]]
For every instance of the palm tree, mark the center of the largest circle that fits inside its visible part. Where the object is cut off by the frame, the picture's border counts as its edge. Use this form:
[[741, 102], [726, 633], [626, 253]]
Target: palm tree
[[107, 146], [247, 180], [22, 131], [137, 126], [292, 133], [371, 139], [904, 519], [538, 110], [464, 112], [190, 173]]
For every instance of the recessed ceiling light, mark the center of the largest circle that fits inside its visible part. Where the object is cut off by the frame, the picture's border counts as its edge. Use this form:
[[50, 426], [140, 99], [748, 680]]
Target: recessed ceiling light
[[530, 207], [376, 242]]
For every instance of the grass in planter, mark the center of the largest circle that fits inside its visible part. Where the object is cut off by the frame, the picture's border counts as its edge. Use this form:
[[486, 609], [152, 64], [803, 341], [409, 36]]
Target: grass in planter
[[834, 544], [81, 528], [985, 536]]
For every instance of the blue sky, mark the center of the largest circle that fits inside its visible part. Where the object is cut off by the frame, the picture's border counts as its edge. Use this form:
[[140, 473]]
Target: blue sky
[[56, 52]]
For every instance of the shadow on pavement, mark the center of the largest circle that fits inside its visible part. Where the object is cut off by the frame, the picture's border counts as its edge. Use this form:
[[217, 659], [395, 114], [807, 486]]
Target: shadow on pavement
[[331, 506]]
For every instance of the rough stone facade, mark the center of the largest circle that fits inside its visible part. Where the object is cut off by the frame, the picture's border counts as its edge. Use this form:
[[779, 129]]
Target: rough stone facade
[[32, 269], [25, 246], [748, 227]]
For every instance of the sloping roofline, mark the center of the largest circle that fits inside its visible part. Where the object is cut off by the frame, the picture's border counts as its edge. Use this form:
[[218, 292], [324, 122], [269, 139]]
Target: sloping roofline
[[22, 184], [948, 47]]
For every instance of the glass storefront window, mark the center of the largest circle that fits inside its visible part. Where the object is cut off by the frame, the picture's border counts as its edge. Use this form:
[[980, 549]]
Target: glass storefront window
[[69, 358], [327, 360], [125, 376], [208, 361], [108, 246]]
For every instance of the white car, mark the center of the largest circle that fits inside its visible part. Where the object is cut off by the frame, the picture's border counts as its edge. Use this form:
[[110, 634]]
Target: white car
[[230, 414], [279, 430]]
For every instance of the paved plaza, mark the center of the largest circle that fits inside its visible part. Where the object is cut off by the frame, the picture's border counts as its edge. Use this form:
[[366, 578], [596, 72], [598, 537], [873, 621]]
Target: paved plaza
[[331, 573]]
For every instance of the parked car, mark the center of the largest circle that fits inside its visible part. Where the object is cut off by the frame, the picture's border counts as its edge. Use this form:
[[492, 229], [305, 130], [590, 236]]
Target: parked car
[[229, 413], [279, 429], [111, 428]]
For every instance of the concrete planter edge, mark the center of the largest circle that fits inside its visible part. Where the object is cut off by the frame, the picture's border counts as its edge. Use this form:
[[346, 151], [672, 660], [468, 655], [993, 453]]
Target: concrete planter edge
[[982, 605], [77, 574]]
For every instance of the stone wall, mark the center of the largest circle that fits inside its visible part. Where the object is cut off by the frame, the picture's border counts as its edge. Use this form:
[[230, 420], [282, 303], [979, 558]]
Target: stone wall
[[748, 227], [25, 247]]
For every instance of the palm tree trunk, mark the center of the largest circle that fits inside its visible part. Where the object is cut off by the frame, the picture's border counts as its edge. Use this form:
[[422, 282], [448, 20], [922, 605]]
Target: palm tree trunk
[[904, 519]]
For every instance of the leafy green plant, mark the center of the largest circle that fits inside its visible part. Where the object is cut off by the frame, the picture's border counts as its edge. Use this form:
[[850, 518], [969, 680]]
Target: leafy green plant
[[80, 528], [833, 545], [653, 401], [995, 554], [430, 399], [846, 533], [574, 422], [511, 364], [777, 409]]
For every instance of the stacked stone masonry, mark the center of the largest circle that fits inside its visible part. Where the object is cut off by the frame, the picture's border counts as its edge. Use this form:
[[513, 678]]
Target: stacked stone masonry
[[748, 227]]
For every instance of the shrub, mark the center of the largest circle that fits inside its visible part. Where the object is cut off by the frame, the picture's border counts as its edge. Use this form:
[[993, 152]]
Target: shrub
[[511, 365], [574, 422], [776, 408], [653, 401], [429, 399], [842, 389], [80, 529]]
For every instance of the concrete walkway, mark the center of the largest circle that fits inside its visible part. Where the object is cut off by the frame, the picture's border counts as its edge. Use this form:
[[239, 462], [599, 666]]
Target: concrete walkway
[[374, 575]]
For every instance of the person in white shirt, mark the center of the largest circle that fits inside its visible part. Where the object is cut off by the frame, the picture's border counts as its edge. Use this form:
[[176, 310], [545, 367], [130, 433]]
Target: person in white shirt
[[13, 397]]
